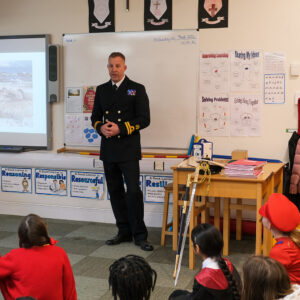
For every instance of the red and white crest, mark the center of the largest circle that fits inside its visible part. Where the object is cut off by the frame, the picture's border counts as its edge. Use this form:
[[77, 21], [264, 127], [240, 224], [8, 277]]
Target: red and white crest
[[212, 6], [158, 8]]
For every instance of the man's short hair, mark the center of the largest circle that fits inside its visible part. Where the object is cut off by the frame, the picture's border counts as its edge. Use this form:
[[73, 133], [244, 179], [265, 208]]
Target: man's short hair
[[117, 54]]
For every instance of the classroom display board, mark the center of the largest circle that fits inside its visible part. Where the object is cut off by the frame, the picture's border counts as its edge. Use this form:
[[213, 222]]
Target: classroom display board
[[166, 62]]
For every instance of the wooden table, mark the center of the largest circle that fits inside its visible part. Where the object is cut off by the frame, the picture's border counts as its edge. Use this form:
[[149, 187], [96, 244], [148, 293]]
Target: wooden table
[[257, 189]]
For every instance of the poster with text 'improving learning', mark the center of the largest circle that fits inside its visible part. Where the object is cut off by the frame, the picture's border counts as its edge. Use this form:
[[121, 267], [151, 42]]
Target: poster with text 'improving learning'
[[87, 185], [155, 188], [214, 72], [16, 180], [51, 182]]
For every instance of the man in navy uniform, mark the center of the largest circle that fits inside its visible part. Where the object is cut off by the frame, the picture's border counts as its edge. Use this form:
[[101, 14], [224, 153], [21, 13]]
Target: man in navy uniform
[[121, 110]]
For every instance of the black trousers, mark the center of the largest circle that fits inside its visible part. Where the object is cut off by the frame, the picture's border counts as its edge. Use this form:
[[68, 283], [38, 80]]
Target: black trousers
[[128, 207]]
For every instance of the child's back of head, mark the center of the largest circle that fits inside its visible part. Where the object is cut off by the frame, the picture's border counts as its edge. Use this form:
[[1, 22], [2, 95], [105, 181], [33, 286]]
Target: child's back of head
[[208, 239], [265, 279], [131, 278]]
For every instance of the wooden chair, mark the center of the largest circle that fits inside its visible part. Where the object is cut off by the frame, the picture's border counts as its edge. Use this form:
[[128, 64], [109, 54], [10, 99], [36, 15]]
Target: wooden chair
[[165, 228]]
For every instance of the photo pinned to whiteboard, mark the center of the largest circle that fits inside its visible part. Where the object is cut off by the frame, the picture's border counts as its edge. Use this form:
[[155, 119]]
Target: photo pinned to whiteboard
[[73, 100]]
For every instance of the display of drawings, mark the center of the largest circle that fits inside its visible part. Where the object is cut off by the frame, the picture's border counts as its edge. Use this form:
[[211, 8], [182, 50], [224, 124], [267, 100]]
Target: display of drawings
[[64, 183], [79, 103], [231, 90]]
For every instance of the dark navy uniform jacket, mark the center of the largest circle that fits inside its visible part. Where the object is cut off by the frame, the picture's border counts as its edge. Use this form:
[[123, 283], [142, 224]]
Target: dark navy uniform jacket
[[128, 107]]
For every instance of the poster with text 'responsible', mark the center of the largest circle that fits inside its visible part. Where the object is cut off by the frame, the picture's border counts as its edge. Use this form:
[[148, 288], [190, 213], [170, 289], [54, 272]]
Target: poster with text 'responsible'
[[51, 182], [16, 180], [214, 72], [246, 71], [245, 115], [214, 115]]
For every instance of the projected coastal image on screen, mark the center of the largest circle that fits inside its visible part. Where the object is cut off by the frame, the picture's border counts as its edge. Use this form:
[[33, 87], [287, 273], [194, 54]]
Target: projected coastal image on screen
[[16, 93]]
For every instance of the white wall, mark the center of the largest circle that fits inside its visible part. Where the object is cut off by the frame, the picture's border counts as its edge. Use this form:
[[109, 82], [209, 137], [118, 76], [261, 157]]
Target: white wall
[[268, 25]]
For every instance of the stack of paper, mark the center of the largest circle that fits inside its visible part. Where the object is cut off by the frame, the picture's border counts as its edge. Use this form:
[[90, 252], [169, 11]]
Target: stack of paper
[[244, 168]]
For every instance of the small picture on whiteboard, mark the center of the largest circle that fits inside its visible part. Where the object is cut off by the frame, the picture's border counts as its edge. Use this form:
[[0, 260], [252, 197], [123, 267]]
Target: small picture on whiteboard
[[74, 100], [89, 93]]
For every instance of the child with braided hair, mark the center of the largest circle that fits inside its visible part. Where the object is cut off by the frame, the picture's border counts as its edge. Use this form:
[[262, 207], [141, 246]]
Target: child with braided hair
[[131, 278], [218, 279]]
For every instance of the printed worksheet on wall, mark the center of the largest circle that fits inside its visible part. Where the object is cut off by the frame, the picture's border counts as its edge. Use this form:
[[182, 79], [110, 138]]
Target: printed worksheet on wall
[[246, 71]]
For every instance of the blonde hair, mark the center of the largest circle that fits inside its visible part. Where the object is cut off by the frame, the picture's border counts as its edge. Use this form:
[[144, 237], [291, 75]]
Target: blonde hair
[[295, 236]]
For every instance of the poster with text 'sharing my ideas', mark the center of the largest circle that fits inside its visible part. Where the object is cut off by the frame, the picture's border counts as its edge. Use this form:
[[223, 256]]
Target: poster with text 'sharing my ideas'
[[245, 115], [246, 71], [214, 116], [16, 180], [51, 182], [214, 72], [154, 188], [87, 185]]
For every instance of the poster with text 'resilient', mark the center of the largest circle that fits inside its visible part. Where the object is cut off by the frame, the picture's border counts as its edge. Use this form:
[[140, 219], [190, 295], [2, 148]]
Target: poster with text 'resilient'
[[51, 182], [246, 71], [245, 115], [87, 185], [154, 188], [18, 180], [214, 115], [214, 72]]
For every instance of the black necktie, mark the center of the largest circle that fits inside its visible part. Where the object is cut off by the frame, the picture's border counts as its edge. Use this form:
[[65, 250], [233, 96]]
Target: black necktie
[[114, 87]]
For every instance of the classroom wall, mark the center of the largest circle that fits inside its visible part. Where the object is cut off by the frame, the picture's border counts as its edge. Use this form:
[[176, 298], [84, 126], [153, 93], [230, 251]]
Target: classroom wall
[[268, 25]]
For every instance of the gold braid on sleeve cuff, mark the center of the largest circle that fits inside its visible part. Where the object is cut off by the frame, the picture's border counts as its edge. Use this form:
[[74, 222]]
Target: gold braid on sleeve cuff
[[95, 125], [130, 129]]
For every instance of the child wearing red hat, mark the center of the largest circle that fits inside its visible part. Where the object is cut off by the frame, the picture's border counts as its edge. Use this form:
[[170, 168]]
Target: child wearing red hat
[[282, 217]]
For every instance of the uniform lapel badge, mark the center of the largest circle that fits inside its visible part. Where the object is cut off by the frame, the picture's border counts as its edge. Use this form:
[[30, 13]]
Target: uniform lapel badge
[[131, 92]]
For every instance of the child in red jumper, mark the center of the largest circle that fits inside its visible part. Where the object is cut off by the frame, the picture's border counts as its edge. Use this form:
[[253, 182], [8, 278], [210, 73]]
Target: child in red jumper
[[38, 268], [282, 217], [218, 279]]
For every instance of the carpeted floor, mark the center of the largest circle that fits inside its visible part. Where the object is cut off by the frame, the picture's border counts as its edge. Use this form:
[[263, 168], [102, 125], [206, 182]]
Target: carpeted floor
[[90, 257]]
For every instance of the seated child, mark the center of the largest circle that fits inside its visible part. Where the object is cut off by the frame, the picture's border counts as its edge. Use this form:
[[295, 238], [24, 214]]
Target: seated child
[[38, 268], [218, 278], [131, 278], [266, 279], [282, 217]]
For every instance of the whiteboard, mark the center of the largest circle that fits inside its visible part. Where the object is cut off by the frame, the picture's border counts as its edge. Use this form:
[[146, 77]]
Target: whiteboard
[[166, 62]]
